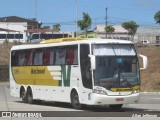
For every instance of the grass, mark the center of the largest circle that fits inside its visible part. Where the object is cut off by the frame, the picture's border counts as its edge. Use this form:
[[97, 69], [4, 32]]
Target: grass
[[150, 78]]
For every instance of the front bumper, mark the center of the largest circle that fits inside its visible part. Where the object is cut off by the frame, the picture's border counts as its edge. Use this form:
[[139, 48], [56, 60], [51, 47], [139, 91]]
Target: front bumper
[[98, 99]]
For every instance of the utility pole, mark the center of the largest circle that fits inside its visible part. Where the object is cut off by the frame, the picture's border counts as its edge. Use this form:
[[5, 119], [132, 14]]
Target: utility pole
[[106, 17], [106, 20], [36, 8], [76, 18]]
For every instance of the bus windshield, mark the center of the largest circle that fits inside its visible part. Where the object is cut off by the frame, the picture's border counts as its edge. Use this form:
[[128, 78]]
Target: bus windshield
[[116, 66]]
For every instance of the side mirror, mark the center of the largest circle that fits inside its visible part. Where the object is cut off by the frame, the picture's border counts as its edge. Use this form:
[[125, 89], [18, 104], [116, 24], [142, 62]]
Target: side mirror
[[145, 62], [93, 62]]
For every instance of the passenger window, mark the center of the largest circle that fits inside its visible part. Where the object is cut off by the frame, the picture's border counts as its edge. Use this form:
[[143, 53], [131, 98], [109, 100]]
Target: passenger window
[[60, 56], [21, 59], [72, 55], [75, 56], [14, 58], [28, 57], [37, 59], [46, 57], [52, 57]]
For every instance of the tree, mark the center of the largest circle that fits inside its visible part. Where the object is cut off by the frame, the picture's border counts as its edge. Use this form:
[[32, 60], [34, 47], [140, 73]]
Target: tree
[[131, 26], [56, 27], [109, 29], [85, 23], [157, 17]]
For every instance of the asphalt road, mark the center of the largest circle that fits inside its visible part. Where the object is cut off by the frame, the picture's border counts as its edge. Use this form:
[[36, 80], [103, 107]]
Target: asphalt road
[[149, 105]]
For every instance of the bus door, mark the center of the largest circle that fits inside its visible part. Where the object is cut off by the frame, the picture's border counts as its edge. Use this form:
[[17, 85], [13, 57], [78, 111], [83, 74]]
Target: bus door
[[86, 74]]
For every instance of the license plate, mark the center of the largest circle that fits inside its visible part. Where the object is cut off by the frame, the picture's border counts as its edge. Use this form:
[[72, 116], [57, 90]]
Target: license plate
[[119, 99]]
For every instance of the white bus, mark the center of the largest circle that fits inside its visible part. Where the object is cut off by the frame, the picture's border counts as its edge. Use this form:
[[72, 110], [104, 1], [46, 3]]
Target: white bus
[[90, 72], [38, 37], [12, 36]]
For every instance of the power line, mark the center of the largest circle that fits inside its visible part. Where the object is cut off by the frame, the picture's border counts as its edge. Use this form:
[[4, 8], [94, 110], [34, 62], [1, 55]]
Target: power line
[[146, 9]]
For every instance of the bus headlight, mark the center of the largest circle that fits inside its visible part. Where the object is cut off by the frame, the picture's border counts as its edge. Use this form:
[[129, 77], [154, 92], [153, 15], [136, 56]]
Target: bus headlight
[[135, 91], [99, 92]]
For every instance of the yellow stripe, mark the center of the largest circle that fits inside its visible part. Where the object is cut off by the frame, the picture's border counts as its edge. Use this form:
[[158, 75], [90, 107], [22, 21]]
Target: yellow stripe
[[125, 89], [60, 40], [34, 75]]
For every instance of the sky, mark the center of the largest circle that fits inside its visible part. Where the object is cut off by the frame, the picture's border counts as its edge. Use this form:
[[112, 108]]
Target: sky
[[50, 12]]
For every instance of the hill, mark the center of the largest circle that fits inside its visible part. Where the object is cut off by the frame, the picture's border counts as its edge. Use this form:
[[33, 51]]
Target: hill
[[150, 78]]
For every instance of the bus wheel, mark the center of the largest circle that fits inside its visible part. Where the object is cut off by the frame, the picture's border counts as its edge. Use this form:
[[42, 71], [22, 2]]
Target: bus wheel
[[116, 107], [29, 96], [75, 100], [24, 96]]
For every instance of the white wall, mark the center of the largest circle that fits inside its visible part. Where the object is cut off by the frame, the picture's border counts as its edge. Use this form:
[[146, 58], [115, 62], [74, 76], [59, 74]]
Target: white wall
[[21, 27]]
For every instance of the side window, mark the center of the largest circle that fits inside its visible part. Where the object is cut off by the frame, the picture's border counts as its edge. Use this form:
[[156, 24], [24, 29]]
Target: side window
[[75, 56], [85, 66], [14, 58], [38, 57], [52, 56], [21, 58], [28, 57], [72, 55], [46, 57], [60, 56]]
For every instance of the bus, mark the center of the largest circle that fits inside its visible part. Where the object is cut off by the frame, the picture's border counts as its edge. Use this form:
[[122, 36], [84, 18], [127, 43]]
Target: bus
[[77, 71], [12, 37], [38, 37]]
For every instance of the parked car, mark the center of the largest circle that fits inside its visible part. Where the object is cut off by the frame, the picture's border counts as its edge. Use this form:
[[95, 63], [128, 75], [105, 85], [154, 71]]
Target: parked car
[[142, 43], [146, 42]]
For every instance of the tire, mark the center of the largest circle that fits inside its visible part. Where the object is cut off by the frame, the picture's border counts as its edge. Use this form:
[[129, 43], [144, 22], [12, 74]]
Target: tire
[[116, 107], [37, 101], [29, 96], [75, 101], [24, 96]]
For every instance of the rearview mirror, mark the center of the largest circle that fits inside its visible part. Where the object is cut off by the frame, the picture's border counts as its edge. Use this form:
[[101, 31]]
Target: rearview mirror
[[145, 62], [93, 62]]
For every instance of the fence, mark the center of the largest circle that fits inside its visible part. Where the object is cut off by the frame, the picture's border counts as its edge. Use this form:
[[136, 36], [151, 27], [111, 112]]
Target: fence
[[4, 72]]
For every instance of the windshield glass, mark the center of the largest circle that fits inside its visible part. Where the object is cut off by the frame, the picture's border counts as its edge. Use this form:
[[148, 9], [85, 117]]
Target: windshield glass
[[116, 66]]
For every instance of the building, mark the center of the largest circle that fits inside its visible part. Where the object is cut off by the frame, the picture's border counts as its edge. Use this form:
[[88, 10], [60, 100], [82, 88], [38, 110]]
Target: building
[[13, 28], [150, 34], [99, 32], [119, 33]]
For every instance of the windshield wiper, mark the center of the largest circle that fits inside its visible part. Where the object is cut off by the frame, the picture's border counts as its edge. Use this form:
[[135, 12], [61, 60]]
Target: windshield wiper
[[124, 79]]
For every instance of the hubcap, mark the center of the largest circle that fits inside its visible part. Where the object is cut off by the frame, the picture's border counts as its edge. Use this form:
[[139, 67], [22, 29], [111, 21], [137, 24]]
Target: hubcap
[[76, 101]]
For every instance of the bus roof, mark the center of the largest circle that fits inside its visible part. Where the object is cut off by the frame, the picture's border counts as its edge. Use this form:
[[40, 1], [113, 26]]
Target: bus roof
[[96, 40], [61, 40], [71, 41]]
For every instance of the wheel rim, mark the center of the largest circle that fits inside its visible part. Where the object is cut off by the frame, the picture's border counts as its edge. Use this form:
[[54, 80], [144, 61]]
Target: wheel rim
[[76, 100], [29, 97], [23, 96]]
